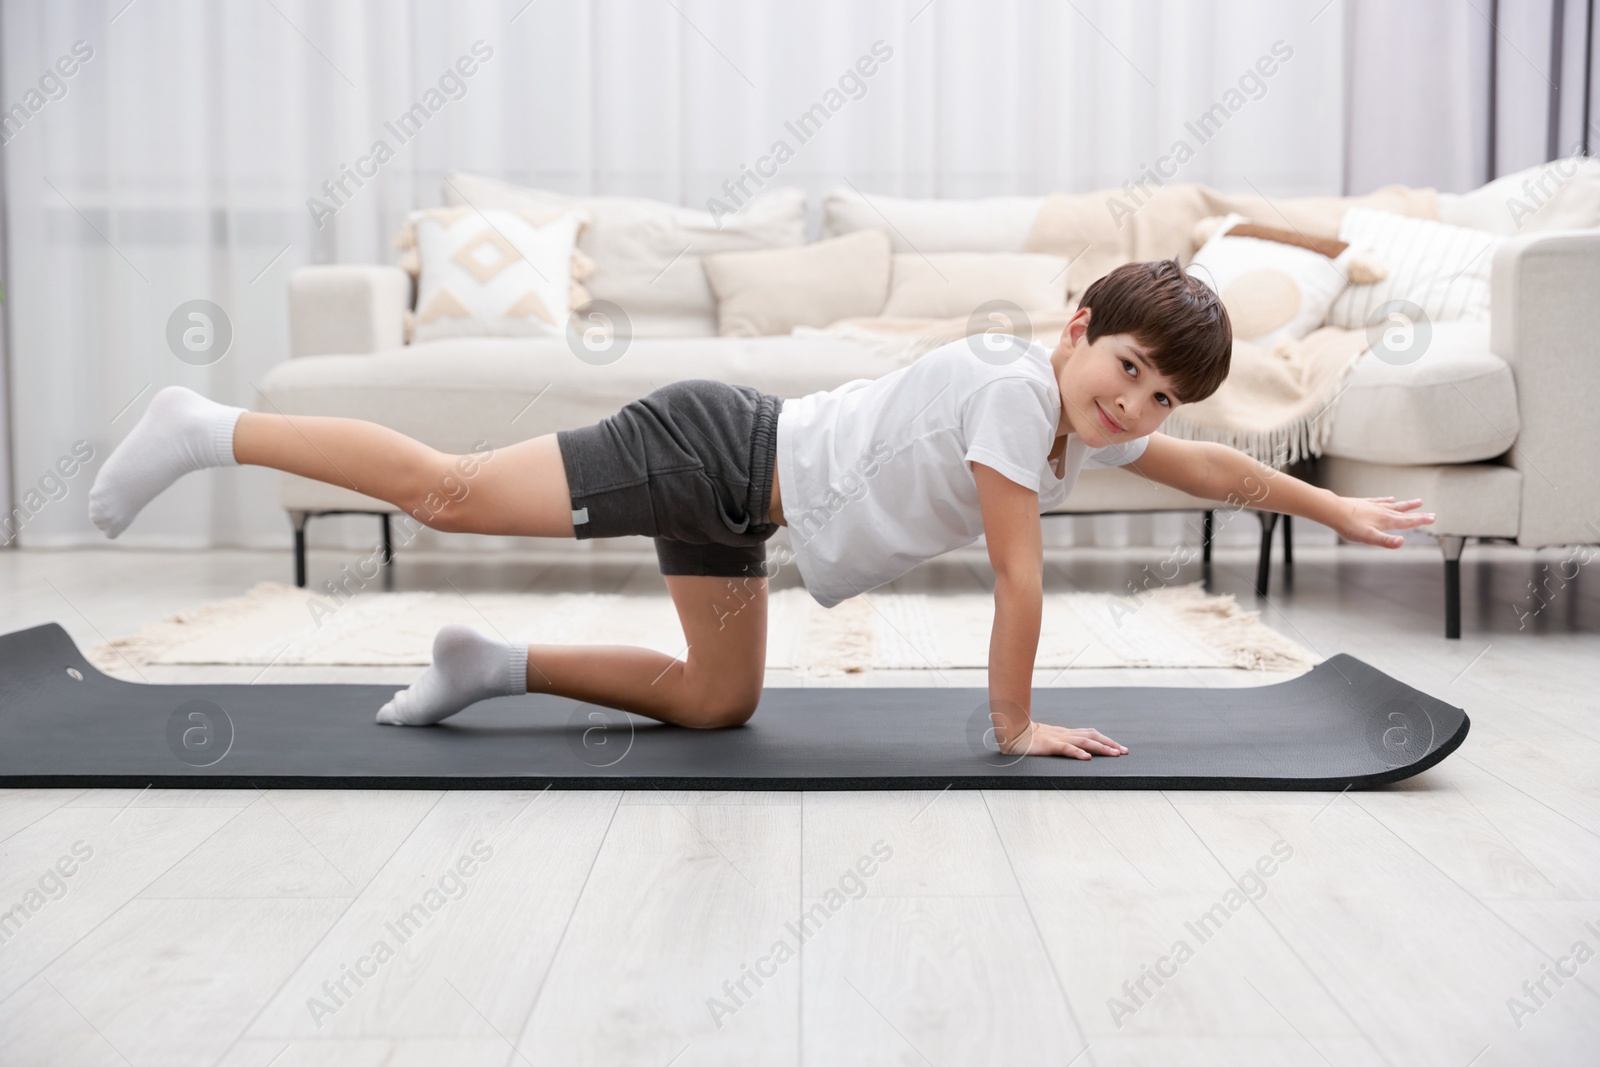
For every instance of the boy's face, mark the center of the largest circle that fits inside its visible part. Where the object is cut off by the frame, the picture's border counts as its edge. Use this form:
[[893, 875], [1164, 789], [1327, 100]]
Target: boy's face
[[1110, 391]]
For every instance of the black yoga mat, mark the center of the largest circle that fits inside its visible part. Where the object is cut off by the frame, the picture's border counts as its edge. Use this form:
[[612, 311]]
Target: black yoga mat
[[64, 723]]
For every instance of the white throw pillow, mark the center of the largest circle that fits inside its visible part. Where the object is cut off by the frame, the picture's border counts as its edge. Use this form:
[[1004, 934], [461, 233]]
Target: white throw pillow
[[1563, 194], [943, 285], [647, 253], [492, 273], [1442, 269], [760, 294], [1273, 291]]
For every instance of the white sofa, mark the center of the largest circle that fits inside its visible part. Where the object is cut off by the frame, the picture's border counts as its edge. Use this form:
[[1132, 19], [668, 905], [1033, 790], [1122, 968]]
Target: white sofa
[[1492, 429]]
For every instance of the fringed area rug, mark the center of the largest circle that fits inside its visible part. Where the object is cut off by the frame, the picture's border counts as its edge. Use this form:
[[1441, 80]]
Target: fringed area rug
[[279, 624]]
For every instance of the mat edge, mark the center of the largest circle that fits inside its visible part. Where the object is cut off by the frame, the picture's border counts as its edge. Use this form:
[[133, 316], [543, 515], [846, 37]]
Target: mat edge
[[748, 785]]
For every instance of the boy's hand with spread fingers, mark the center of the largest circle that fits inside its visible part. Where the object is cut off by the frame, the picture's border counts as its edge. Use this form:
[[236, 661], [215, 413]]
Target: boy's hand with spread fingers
[[1042, 739], [1369, 520]]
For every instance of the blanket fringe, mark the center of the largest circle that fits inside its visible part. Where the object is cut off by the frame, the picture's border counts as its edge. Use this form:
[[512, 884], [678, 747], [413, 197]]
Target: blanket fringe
[[1280, 446]]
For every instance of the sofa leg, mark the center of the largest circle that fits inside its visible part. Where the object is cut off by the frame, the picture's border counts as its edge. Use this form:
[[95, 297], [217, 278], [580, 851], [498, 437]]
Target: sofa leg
[[1452, 546], [1269, 522], [298, 520], [1288, 542], [1206, 530], [388, 554]]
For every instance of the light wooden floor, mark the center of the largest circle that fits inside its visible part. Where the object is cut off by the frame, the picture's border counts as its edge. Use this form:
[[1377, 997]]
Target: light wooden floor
[[1000, 928]]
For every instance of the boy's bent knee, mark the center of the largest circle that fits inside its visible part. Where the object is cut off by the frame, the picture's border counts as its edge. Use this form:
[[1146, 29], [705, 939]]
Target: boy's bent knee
[[713, 713]]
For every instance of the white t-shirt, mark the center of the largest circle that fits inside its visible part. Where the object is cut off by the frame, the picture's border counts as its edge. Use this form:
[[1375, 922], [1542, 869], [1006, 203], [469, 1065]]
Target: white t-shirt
[[873, 475]]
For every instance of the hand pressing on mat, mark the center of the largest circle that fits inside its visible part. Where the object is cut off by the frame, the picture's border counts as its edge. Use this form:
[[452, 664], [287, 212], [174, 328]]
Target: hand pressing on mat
[[1042, 739], [1368, 520]]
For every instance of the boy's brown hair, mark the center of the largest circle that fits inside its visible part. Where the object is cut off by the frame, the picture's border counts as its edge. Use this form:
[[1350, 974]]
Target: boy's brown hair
[[1178, 317]]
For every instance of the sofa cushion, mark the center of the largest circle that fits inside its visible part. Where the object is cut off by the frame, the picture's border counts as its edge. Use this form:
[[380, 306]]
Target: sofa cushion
[[988, 224], [776, 289], [647, 253], [943, 285], [1456, 403]]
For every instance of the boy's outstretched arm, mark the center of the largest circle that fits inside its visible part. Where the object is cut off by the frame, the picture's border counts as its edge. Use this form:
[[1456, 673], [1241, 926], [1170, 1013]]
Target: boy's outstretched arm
[[1217, 472], [1016, 552]]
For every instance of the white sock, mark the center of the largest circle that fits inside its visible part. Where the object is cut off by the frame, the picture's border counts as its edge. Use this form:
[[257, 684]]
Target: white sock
[[180, 432], [467, 667]]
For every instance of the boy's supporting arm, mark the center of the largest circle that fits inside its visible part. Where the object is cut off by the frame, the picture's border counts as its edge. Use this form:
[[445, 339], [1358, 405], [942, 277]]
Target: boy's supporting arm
[[1016, 552], [1013, 646], [1216, 472]]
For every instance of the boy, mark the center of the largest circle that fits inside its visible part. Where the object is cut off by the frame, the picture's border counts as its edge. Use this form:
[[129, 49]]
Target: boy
[[872, 478]]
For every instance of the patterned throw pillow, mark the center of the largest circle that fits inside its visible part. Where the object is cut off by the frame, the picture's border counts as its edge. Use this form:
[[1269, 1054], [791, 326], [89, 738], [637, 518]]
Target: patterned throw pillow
[[1442, 269], [492, 273]]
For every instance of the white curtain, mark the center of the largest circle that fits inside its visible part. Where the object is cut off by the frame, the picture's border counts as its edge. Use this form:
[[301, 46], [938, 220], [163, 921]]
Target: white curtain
[[177, 160]]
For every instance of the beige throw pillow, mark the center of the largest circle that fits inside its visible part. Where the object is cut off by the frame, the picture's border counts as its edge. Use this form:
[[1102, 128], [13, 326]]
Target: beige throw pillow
[[943, 285], [773, 291]]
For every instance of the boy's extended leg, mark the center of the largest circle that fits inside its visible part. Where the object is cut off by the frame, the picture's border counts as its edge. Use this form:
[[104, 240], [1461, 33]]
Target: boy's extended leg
[[520, 489]]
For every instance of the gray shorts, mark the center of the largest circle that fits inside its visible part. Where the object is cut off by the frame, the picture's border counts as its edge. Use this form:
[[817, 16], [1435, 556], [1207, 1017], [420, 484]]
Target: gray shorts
[[689, 465]]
